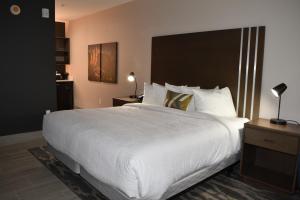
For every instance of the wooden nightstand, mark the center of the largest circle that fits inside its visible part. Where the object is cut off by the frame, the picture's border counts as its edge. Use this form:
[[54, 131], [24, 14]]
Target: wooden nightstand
[[120, 101], [270, 154]]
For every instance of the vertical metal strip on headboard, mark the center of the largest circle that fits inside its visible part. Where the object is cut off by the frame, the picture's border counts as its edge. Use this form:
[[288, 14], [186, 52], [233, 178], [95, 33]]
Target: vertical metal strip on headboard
[[254, 72], [240, 70], [247, 70]]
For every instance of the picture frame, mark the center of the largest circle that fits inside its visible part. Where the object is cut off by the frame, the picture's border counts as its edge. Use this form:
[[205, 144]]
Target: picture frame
[[108, 70], [94, 62], [103, 62]]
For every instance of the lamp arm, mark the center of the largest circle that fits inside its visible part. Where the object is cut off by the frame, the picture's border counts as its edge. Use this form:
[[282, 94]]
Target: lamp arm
[[279, 106]]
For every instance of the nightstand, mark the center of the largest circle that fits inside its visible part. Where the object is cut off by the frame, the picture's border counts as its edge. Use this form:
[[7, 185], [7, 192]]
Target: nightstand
[[120, 101], [270, 154]]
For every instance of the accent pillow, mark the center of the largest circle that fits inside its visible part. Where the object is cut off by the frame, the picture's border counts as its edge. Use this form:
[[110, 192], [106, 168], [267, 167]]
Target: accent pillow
[[185, 90], [177, 100], [216, 102]]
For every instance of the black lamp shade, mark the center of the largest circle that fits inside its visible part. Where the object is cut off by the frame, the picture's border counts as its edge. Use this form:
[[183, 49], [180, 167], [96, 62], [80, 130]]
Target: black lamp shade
[[279, 89]]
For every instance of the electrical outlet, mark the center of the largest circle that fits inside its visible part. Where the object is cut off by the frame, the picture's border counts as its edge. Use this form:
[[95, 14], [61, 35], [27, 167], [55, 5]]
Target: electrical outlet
[[100, 101]]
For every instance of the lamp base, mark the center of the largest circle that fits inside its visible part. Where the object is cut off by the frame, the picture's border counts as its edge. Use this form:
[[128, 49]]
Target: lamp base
[[278, 121]]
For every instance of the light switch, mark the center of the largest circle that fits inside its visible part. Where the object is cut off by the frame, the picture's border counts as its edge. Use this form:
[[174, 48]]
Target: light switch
[[45, 12]]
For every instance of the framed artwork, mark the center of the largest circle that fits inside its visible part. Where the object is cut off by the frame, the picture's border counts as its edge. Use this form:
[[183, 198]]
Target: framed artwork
[[94, 62], [102, 66], [108, 70]]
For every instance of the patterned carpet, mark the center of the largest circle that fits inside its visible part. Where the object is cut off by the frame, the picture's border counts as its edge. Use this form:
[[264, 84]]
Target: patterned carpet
[[218, 187]]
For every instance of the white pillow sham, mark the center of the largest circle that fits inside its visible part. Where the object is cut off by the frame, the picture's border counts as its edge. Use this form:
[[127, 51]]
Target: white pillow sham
[[160, 93], [149, 96], [216, 102], [154, 94]]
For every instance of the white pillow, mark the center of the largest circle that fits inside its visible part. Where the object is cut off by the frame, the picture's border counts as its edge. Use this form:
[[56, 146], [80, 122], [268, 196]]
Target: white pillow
[[184, 90], [216, 102], [176, 88], [154, 94], [173, 88], [160, 93], [149, 95]]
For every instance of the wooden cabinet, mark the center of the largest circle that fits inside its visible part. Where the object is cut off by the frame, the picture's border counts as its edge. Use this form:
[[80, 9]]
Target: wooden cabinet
[[62, 45], [120, 101], [64, 92], [60, 29], [62, 55], [271, 153]]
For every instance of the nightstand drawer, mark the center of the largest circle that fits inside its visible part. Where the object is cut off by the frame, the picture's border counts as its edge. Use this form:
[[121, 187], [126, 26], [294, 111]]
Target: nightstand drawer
[[271, 140]]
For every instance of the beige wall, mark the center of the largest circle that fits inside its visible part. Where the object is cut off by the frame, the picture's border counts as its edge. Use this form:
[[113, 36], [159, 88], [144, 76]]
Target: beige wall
[[133, 24]]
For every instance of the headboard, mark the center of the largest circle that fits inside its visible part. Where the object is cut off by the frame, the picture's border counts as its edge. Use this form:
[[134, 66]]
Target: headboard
[[232, 58]]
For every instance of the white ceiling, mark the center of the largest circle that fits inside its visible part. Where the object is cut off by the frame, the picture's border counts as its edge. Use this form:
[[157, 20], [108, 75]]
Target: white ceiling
[[74, 9]]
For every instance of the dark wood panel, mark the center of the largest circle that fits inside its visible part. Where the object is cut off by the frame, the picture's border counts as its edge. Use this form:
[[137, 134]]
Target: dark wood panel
[[209, 59]]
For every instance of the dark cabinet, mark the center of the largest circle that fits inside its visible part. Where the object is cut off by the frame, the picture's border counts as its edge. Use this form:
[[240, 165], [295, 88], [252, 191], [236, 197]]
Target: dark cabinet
[[62, 44], [62, 55], [60, 29], [64, 90]]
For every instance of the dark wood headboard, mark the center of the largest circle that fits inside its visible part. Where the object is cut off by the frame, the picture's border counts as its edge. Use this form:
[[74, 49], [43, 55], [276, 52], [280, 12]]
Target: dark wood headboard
[[232, 58]]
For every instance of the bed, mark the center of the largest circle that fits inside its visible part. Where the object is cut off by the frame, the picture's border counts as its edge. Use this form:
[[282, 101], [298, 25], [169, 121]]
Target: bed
[[149, 152]]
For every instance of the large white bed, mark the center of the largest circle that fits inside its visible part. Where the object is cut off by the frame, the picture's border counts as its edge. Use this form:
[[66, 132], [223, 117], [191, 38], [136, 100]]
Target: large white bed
[[144, 150], [151, 152]]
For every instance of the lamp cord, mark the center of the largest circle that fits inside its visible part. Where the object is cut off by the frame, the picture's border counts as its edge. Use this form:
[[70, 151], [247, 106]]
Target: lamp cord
[[279, 106], [294, 121]]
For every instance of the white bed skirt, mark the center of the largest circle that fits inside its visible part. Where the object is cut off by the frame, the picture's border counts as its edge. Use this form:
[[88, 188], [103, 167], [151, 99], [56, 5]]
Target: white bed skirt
[[115, 194]]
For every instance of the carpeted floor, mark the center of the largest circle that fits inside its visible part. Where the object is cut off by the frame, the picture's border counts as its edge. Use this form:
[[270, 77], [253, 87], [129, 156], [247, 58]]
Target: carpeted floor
[[218, 187]]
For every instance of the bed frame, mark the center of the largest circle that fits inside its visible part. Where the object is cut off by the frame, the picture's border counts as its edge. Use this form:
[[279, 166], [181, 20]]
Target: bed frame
[[232, 58]]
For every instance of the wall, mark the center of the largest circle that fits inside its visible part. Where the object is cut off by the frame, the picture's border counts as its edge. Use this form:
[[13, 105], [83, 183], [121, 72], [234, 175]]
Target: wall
[[27, 68], [133, 24]]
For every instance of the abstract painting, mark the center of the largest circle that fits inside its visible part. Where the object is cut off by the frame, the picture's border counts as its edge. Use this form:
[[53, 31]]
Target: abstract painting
[[102, 64], [108, 70], [94, 62]]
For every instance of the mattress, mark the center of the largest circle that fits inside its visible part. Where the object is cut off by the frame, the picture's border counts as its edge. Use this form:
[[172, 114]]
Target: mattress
[[141, 150]]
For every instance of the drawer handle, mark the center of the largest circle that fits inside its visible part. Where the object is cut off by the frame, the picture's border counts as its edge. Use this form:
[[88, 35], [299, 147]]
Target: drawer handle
[[269, 141]]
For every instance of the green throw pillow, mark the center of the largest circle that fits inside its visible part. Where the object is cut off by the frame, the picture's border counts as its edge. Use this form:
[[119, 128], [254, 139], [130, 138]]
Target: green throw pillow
[[177, 100]]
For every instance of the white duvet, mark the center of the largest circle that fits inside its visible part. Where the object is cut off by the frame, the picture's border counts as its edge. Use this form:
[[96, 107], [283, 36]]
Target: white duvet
[[142, 149]]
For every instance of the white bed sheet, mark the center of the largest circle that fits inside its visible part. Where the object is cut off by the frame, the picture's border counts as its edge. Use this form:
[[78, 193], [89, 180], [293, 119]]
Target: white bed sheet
[[142, 149]]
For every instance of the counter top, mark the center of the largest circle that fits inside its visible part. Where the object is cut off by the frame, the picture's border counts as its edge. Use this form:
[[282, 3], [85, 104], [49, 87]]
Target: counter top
[[64, 80]]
